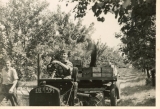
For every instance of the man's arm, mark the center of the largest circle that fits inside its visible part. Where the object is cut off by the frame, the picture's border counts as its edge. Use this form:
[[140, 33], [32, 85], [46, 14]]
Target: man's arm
[[67, 67], [13, 86]]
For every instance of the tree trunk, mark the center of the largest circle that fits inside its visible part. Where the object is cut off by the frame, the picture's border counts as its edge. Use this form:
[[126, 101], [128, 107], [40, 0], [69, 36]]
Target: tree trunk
[[148, 75], [153, 77]]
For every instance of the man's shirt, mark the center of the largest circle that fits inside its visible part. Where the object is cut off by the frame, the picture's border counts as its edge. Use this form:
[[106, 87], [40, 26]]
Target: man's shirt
[[62, 71], [69, 64], [9, 76]]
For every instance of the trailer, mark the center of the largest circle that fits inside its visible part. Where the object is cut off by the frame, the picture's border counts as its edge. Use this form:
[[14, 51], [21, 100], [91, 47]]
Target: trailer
[[99, 83]]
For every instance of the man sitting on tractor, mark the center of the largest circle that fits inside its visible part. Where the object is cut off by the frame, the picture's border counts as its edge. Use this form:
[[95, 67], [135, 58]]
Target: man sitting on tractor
[[65, 69]]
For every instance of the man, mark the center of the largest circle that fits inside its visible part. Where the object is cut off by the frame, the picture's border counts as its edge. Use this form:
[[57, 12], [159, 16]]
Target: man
[[65, 69], [92, 51], [115, 71], [65, 64], [9, 82]]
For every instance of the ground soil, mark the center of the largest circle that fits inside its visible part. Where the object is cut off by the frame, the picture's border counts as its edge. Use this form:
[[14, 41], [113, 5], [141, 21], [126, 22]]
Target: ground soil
[[134, 91]]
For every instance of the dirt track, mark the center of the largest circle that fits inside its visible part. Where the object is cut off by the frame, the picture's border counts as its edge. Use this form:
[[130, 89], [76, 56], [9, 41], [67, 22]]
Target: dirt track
[[134, 92]]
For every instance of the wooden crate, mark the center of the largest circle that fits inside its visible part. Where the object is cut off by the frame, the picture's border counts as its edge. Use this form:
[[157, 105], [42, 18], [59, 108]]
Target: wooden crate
[[91, 72], [99, 74], [96, 69], [107, 71], [77, 63], [107, 75], [96, 72], [87, 72]]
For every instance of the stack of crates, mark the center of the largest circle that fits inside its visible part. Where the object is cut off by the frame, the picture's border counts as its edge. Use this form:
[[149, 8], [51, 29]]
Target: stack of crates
[[91, 72], [106, 71]]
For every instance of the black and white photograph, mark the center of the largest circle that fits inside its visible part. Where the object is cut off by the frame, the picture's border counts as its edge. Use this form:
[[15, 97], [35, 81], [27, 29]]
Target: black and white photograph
[[78, 53]]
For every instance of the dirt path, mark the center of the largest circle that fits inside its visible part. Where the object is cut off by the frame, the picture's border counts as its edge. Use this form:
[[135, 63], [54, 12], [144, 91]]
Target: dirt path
[[134, 92]]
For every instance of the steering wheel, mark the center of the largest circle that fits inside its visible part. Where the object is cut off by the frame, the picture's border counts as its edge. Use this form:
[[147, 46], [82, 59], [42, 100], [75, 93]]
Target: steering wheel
[[59, 71], [51, 68]]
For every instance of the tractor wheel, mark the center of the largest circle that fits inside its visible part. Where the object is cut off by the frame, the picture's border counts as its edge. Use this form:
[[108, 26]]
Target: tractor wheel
[[113, 96]]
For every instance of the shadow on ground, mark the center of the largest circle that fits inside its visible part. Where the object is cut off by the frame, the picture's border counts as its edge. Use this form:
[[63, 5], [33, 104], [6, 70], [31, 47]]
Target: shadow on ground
[[134, 91], [132, 102], [23, 100], [147, 102]]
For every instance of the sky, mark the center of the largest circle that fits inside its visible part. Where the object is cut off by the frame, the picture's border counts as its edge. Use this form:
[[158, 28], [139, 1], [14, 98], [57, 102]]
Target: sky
[[103, 30]]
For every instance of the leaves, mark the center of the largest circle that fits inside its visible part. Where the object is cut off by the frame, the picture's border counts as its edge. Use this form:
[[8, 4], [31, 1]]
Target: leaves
[[29, 29]]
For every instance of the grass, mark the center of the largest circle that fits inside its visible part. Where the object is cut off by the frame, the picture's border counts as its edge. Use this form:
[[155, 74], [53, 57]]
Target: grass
[[27, 84]]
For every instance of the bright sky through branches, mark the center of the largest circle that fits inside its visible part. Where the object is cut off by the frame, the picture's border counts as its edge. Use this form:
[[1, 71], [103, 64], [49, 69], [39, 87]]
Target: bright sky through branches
[[104, 30]]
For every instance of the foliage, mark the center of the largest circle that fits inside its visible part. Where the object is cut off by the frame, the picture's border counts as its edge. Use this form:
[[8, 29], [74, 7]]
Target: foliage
[[137, 18], [139, 35], [22, 33], [114, 56], [101, 47], [118, 7], [27, 29]]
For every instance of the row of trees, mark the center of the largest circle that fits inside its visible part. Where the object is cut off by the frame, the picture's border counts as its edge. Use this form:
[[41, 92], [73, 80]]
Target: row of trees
[[138, 21], [28, 28]]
